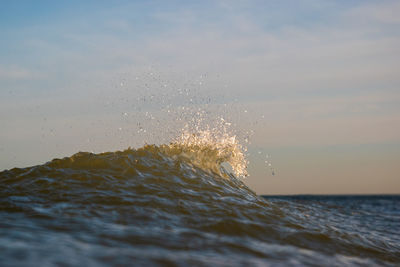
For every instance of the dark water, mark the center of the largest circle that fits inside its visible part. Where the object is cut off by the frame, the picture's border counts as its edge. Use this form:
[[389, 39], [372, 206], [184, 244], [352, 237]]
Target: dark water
[[169, 206]]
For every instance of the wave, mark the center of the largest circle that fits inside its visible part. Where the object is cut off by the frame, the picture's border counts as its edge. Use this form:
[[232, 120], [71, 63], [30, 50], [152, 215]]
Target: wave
[[169, 204]]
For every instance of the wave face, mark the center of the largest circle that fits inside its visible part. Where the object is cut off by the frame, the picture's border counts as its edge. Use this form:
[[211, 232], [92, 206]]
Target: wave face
[[176, 205]]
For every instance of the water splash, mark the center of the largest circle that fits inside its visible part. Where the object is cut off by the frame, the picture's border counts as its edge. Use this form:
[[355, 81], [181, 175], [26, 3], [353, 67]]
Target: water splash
[[211, 147]]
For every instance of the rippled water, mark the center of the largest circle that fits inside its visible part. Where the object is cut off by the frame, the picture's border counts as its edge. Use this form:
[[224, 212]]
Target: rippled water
[[175, 205]]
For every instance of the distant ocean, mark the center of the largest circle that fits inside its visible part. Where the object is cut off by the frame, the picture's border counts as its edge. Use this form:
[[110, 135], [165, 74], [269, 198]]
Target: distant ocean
[[174, 205]]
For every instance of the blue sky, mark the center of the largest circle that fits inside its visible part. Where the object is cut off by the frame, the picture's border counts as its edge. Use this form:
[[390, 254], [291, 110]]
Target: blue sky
[[311, 74]]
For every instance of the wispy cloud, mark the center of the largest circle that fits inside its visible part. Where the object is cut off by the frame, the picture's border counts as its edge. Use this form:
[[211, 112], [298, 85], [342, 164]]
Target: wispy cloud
[[382, 12], [15, 73]]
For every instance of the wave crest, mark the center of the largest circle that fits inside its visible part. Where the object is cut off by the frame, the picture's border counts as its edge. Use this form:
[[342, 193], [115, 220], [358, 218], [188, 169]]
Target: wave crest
[[209, 151], [204, 149]]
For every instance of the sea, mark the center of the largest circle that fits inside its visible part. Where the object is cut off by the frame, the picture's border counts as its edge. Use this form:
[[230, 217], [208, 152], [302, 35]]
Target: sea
[[177, 205]]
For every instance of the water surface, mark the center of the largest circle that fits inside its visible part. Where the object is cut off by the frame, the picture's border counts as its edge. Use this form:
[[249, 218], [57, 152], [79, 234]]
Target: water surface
[[174, 205]]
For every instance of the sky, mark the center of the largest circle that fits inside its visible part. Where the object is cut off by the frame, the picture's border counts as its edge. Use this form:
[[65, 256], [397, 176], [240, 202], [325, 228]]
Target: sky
[[317, 83]]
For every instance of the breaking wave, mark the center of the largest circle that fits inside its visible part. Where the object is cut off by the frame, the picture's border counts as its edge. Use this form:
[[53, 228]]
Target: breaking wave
[[172, 204]]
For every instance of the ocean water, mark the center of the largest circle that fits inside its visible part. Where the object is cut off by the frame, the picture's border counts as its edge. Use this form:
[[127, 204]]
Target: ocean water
[[175, 205]]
